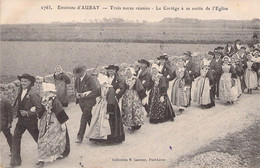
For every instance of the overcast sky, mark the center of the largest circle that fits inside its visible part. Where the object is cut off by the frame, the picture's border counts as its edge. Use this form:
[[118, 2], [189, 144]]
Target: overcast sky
[[29, 11]]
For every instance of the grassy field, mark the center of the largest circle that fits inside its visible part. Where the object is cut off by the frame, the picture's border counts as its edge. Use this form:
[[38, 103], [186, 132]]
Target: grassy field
[[38, 48], [40, 58], [167, 31]]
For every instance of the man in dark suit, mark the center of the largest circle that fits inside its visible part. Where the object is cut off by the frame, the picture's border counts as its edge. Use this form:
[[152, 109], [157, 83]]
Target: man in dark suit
[[229, 50], [145, 77], [216, 67], [220, 50], [116, 81], [29, 106], [86, 91], [190, 66], [165, 68]]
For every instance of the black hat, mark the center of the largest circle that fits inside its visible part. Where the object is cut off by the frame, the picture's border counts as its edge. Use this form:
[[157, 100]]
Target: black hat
[[211, 53], [27, 76], [164, 56], [188, 53], [219, 48], [142, 61], [116, 68], [219, 53], [79, 69]]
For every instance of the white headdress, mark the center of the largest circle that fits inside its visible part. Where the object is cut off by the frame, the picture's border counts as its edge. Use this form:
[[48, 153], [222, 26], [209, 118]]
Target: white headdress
[[48, 87], [131, 70]]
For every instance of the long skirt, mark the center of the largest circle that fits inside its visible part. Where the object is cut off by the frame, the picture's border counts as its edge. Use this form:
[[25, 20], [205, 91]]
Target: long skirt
[[160, 111], [99, 127], [116, 135], [53, 139], [226, 93], [179, 96], [201, 91], [250, 79], [132, 109]]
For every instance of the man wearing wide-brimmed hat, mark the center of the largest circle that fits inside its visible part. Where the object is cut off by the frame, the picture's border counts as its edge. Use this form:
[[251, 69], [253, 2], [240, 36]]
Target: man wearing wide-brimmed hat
[[190, 65], [86, 91], [164, 67], [145, 77], [29, 106], [115, 80], [216, 67]]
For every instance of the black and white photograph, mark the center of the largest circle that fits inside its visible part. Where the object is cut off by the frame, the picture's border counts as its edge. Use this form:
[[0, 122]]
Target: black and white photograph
[[130, 83]]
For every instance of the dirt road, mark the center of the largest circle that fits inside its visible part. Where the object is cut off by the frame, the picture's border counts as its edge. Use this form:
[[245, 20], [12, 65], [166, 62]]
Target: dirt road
[[153, 145]]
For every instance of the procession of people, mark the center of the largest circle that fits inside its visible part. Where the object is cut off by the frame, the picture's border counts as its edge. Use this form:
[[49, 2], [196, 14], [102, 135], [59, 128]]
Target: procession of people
[[115, 97]]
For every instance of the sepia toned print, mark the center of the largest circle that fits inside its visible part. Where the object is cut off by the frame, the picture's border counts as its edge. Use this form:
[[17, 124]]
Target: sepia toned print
[[122, 83]]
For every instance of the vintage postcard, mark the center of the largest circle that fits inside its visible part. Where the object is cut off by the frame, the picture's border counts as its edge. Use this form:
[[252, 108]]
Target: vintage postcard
[[130, 83]]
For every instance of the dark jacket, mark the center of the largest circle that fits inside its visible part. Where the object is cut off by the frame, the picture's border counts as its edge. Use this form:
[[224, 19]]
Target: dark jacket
[[118, 83], [31, 99], [88, 83], [61, 82], [138, 86], [162, 85], [210, 76], [145, 79], [239, 70], [229, 52], [254, 66], [216, 67], [186, 77], [232, 71], [5, 114], [191, 68], [58, 110]]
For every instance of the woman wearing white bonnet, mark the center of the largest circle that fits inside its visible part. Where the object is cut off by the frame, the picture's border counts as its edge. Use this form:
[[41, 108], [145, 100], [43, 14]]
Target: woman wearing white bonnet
[[160, 108], [61, 81], [226, 82], [53, 141], [106, 123], [132, 108], [181, 86]]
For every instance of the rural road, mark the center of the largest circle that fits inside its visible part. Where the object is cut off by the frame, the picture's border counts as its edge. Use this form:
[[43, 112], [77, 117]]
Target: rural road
[[193, 129]]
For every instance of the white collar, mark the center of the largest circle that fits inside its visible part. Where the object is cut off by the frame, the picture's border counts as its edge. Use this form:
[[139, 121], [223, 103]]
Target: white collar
[[81, 78]]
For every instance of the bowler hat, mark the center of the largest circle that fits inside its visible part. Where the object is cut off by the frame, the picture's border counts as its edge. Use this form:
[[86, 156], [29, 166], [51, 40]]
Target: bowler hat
[[219, 48], [79, 69], [114, 67], [142, 61], [27, 76], [188, 53], [164, 56]]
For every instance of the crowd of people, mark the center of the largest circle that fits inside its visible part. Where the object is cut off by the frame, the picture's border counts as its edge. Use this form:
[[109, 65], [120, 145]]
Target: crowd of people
[[115, 97]]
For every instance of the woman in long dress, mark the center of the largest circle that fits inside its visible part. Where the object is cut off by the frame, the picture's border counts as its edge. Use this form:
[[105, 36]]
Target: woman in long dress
[[250, 74], [202, 87], [53, 141], [227, 82], [132, 108], [106, 123], [181, 86], [61, 81], [159, 105]]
